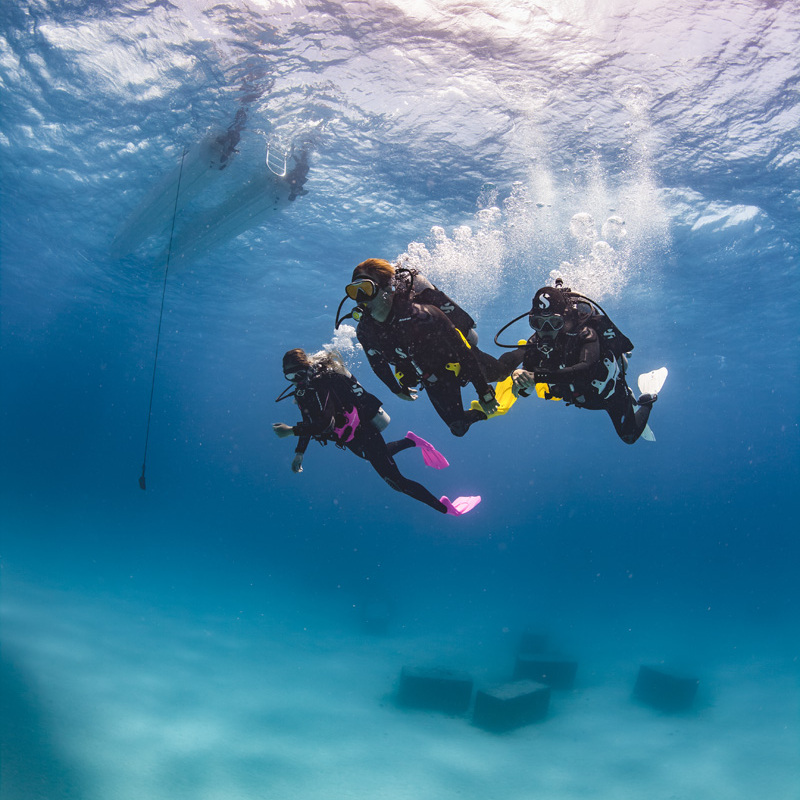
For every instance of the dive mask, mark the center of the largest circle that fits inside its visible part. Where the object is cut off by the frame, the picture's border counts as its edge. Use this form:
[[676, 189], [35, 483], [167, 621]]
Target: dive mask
[[296, 376], [551, 323], [361, 290]]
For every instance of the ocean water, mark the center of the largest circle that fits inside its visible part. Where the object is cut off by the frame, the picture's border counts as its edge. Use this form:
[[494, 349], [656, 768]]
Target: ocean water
[[238, 631]]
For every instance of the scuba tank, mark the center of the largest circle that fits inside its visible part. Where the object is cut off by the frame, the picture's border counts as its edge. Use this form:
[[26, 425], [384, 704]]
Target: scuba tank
[[421, 290]]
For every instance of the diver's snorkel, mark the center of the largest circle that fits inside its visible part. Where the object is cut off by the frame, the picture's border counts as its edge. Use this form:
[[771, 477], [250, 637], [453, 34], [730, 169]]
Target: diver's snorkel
[[288, 392], [340, 320], [298, 377]]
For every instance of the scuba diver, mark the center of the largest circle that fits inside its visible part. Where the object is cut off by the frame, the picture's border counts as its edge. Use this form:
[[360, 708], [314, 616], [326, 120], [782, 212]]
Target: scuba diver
[[336, 408], [415, 336], [225, 143], [577, 354], [298, 175]]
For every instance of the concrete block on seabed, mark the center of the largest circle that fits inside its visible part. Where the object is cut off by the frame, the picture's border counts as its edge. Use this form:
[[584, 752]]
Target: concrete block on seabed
[[510, 705], [557, 673], [665, 690], [435, 689]]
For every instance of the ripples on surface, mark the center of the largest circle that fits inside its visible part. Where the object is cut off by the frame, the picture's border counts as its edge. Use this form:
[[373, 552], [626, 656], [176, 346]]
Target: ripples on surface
[[469, 137]]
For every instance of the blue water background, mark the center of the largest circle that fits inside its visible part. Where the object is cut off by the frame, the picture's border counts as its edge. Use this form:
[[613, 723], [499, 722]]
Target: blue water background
[[680, 120]]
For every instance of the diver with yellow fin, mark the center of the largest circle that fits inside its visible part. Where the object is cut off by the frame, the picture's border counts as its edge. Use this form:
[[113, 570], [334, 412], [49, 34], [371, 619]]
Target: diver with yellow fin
[[578, 355], [415, 337]]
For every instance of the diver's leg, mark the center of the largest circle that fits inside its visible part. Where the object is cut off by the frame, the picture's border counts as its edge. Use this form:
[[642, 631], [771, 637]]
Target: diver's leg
[[445, 396], [397, 447], [494, 369], [376, 451], [629, 420]]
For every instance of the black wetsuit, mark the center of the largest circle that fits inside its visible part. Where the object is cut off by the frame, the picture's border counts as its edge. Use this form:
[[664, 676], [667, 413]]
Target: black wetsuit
[[418, 344], [580, 370], [326, 402]]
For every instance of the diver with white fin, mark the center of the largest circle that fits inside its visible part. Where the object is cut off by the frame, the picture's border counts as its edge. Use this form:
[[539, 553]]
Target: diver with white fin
[[336, 408], [578, 355], [651, 383]]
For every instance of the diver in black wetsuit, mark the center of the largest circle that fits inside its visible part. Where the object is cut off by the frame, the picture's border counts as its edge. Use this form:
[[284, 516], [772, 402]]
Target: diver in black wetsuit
[[336, 408], [411, 341], [581, 356]]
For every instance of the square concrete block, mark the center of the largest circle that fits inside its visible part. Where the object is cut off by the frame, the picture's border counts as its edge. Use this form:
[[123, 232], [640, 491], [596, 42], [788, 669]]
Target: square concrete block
[[435, 689], [556, 673], [666, 691], [510, 705]]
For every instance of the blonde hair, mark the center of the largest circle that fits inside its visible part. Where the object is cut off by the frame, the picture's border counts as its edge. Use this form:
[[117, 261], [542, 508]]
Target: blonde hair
[[382, 272], [328, 361], [317, 363]]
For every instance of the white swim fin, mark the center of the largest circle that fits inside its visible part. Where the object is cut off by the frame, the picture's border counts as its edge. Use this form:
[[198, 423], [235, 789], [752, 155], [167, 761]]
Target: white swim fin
[[652, 382], [647, 434]]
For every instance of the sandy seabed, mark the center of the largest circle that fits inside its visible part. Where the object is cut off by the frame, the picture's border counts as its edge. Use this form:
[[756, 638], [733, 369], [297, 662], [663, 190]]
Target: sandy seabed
[[108, 699]]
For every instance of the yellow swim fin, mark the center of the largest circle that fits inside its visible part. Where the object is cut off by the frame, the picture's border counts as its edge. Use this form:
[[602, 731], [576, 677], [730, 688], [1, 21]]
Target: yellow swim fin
[[543, 391], [506, 396]]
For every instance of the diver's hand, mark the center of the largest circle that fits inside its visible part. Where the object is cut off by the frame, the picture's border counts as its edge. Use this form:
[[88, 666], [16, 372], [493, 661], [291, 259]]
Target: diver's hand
[[282, 430], [297, 463], [523, 379], [408, 394]]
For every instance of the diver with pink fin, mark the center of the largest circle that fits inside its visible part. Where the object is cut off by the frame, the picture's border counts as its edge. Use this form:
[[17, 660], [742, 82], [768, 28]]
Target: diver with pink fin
[[336, 408]]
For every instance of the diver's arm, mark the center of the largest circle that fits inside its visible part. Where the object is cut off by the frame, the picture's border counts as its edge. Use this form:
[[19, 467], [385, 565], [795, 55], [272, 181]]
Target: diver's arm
[[383, 370], [590, 355], [380, 365], [512, 359], [283, 430], [317, 427], [302, 444]]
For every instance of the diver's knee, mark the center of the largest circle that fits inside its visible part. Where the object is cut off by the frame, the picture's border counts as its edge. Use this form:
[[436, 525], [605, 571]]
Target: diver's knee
[[459, 427]]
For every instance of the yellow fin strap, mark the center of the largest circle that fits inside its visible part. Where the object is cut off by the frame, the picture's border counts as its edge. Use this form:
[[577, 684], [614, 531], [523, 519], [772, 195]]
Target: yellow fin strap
[[454, 366], [505, 394], [543, 390], [464, 339]]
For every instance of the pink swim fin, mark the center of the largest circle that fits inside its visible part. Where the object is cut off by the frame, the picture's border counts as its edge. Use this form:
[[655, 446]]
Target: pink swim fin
[[430, 455], [460, 505]]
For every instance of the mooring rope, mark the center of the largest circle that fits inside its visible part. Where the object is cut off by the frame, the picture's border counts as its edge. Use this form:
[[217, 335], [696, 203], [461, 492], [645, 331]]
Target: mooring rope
[[142, 483]]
